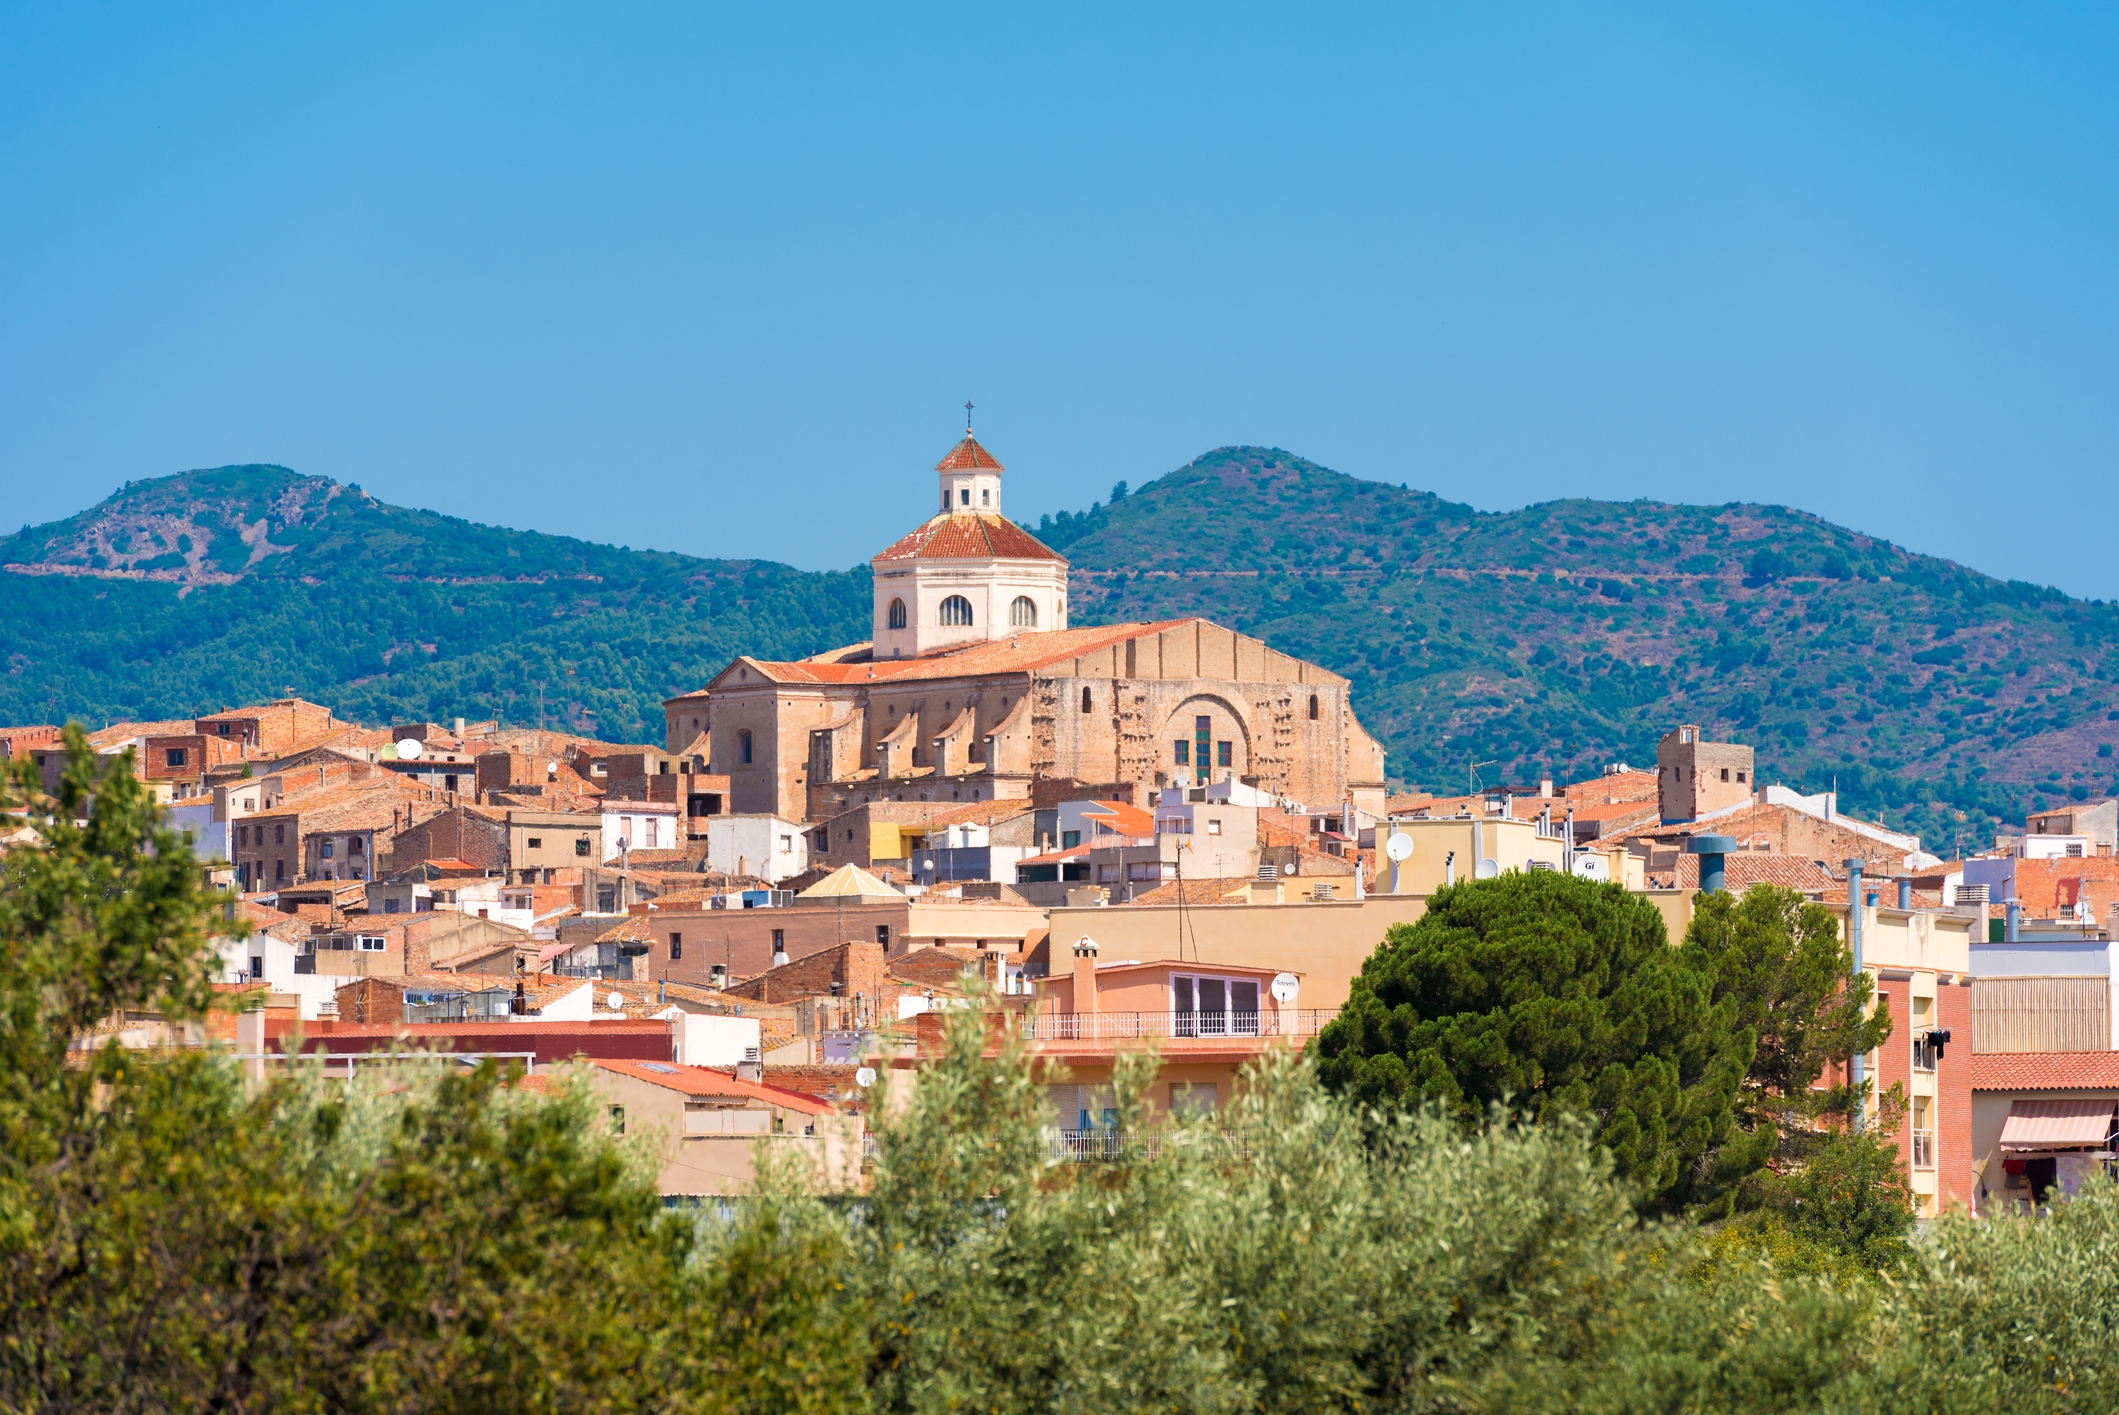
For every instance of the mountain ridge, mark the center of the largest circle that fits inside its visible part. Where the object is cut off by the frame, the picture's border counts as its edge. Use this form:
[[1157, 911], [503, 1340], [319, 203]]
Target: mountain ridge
[[1549, 640]]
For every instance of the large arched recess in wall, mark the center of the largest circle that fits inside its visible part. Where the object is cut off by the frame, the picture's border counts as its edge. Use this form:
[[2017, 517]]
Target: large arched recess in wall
[[1230, 725]]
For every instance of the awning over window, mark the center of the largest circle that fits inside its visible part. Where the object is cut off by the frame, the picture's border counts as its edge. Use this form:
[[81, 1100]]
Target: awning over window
[[2049, 1125]]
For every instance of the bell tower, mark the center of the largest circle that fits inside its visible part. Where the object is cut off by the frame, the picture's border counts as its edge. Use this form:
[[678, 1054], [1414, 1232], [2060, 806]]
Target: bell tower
[[969, 575]]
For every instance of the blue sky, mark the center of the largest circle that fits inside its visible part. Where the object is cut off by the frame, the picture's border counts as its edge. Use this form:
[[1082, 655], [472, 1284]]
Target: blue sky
[[718, 280]]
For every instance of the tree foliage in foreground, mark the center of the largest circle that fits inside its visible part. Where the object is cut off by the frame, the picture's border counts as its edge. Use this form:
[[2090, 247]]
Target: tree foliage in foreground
[[175, 1238]]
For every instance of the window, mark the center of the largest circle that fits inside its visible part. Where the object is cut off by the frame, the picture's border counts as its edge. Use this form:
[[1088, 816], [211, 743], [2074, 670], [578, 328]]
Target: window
[[883, 935], [1202, 743], [1213, 827], [956, 611], [1313, 707], [606, 898], [654, 831], [242, 835], [448, 783], [1192, 1098], [787, 842], [743, 747], [1923, 1132], [779, 940], [353, 845], [896, 614], [279, 835], [1088, 703], [1214, 1007], [257, 964], [279, 871], [1740, 777], [581, 846], [326, 847], [1069, 839], [224, 729], [535, 842], [1725, 773], [1224, 754], [1023, 613], [176, 756], [393, 906], [985, 496], [676, 947], [964, 495], [370, 943], [1184, 752]]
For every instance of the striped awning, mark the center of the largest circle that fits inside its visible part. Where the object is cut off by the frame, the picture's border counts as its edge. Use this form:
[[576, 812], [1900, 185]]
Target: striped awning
[[2049, 1125]]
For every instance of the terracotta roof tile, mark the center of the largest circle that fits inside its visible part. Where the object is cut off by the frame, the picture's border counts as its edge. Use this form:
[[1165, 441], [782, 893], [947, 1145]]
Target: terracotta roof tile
[[966, 535], [1195, 891], [968, 456], [1741, 871], [2045, 1071], [1019, 653]]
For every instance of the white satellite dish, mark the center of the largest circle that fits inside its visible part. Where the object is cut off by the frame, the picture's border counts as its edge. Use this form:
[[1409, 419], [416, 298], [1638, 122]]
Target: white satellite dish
[[865, 1077], [1285, 986], [1592, 867], [1287, 869], [1489, 868], [409, 749], [1399, 847], [616, 1001]]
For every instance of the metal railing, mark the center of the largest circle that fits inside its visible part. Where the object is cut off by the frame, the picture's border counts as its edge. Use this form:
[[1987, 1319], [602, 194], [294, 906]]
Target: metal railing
[[1118, 1026], [352, 1059], [1113, 1146]]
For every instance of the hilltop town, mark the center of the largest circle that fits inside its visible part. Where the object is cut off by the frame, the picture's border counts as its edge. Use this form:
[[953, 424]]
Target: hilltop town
[[1163, 829]]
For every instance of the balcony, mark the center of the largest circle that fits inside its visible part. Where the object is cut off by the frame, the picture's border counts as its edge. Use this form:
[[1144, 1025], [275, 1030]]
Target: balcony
[[1924, 1149], [1181, 1026], [1114, 1147]]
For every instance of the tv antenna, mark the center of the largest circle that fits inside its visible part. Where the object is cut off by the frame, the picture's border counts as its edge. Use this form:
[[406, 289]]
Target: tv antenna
[[1472, 783]]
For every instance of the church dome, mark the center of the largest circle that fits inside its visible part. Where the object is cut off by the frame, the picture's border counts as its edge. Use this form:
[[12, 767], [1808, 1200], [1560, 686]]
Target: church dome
[[970, 535], [968, 456]]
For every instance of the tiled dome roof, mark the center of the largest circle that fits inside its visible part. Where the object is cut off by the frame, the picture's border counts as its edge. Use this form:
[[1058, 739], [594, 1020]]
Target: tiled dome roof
[[970, 536], [968, 456]]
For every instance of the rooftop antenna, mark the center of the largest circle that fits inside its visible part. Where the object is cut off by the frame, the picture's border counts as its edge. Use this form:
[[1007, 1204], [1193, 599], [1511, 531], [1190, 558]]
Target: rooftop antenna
[[1472, 783]]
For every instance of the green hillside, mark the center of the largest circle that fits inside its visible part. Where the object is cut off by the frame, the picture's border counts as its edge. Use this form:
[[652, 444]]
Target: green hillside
[[1550, 640], [1564, 636], [189, 593]]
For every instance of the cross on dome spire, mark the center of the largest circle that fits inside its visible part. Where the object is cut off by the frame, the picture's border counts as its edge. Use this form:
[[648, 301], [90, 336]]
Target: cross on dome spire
[[967, 417]]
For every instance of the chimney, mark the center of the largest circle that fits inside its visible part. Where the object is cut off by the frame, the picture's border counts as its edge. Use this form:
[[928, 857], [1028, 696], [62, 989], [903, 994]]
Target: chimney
[[459, 729], [750, 1068], [1085, 951]]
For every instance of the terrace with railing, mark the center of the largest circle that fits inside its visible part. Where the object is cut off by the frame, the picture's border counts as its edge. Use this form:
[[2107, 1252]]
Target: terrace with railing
[[1123, 1026]]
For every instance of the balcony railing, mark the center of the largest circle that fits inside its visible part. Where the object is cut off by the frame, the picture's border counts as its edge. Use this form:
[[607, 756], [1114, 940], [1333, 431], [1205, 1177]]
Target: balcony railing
[[1112, 1146], [1121, 1026]]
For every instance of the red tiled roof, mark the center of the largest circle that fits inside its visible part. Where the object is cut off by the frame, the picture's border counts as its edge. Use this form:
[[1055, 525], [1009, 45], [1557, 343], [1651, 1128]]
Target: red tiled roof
[[2045, 1071], [1018, 653], [1195, 891], [705, 1081], [968, 456], [1741, 871], [970, 535]]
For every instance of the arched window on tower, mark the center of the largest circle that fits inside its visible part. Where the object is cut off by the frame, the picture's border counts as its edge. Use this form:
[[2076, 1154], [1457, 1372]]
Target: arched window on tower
[[743, 746], [1023, 613], [897, 614], [1088, 703], [1313, 707], [956, 611]]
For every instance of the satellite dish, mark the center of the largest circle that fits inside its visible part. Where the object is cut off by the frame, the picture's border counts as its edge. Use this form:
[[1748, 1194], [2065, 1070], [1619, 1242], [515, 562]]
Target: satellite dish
[[409, 749], [865, 1077], [616, 1001], [1592, 867], [1285, 986], [1489, 868], [1399, 847], [1287, 869]]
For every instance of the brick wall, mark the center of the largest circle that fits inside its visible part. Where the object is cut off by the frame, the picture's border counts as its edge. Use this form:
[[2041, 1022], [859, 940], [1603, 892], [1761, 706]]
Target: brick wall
[[856, 967], [743, 938], [378, 1001], [1956, 1183], [453, 834]]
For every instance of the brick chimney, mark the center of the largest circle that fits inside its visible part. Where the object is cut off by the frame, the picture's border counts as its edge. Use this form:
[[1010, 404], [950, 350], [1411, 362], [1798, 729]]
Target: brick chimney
[[1085, 951]]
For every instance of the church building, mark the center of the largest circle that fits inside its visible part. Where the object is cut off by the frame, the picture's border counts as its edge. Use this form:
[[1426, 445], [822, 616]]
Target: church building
[[973, 686]]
